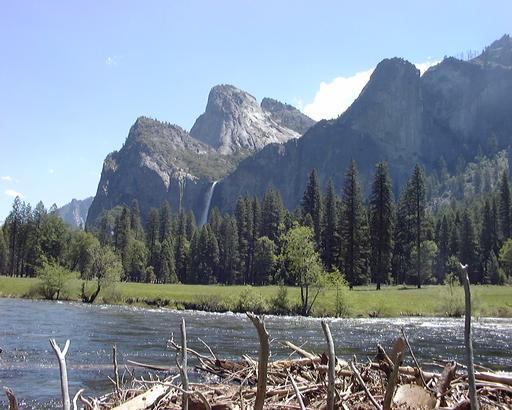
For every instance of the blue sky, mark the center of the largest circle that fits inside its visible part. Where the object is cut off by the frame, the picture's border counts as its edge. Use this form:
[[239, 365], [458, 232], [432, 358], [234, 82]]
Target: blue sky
[[74, 76]]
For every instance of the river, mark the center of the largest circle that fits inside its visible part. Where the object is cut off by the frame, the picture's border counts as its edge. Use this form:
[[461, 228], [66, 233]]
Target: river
[[29, 366]]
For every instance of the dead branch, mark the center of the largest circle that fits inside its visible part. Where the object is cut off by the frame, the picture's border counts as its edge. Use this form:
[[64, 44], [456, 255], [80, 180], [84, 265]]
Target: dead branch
[[264, 352], [61, 355], [183, 367], [331, 375], [13, 403], [468, 339]]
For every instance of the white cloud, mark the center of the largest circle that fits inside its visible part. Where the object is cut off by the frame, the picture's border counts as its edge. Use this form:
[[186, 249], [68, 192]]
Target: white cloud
[[111, 60], [51, 171], [6, 178], [14, 194], [334, 97]]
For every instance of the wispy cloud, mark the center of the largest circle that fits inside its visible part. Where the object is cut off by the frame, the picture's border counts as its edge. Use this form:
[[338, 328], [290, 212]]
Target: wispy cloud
[[334, 97], [51, 171], [13, 194], [112, 60], [6, 178]]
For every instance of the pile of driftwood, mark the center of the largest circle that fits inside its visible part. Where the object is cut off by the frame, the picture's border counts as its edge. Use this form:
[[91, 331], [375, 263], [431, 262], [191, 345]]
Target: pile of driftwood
[[314, 381], [309, 381]]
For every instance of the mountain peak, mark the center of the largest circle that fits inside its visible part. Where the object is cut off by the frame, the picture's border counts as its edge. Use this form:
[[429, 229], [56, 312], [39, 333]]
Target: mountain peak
[[287, 115], [233, 122], [498, 53]]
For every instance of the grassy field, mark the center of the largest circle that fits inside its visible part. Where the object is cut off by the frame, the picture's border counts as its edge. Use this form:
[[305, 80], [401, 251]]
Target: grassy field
[[361, 301]]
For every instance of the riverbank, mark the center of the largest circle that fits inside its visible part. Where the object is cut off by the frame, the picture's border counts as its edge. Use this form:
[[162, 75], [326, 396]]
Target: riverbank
[[364, 301]]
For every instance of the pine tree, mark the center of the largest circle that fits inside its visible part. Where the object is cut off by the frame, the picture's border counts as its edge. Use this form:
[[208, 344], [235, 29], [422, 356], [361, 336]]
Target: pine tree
[[181, 250], [190, 225], [123, 237], [165, 222], [167, 267], [153, 229], [272, 214], [455, 237], [241, 215], [264, 260], [443, 244], [487, 234], [331, 239], [504, 207], [468, 248], [14, 226], [3, 253], [312, 204], [403, 239], [229, 262], [354, 230], [381, 225], [417, 207], [135, 221]]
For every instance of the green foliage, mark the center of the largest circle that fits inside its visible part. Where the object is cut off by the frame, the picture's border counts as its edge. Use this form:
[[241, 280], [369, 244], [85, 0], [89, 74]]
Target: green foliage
[[451, 297], [280, 304], [54, 280], [505, 257], [381, 225], [354, 231], [312, 205], [251, 301], [264, 260], [303, 265], [331, 238], [106, 270]]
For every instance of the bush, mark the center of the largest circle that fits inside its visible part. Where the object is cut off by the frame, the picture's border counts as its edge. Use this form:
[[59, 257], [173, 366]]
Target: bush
[[112, 295], [250, 301], [54, 281], [451, 298], [280, 304]]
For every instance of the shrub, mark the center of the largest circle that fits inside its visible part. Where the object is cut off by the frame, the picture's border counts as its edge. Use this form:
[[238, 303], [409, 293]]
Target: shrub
[[54, 281], [280, 304], [251, 301]]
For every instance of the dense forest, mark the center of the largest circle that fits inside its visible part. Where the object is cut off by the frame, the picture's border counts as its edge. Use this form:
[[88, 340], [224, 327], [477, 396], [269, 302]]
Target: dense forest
[[379, 239]]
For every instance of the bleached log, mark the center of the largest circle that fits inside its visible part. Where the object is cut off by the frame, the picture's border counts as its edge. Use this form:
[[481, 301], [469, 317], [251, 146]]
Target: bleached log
[[331, 374], [468, 339], [264, 352], [13, 403], [145, 400], [184, 365], [61, 355]]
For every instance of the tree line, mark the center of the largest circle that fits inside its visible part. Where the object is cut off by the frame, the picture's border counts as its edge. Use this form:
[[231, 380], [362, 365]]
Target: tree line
[[379, 239]]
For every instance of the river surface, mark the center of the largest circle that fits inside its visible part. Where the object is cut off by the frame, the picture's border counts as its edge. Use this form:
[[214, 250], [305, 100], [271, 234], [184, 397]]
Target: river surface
[[30, 368]]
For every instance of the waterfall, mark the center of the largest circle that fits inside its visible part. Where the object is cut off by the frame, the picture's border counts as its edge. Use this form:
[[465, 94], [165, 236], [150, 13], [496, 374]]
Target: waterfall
[[209, 194]]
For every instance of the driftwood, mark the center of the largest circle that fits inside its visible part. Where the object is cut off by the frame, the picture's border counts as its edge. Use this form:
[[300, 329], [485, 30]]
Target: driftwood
[[264, 352], [144, 400], [184, 365], [13, 403], [61, 355], [468, 339], [332, 366], [309, 381]]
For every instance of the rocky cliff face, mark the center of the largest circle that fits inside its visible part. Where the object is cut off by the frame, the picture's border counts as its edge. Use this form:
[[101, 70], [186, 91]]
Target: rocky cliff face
[[457, 108], [159, 162], [75, 212], [234, 122], [287, 115]]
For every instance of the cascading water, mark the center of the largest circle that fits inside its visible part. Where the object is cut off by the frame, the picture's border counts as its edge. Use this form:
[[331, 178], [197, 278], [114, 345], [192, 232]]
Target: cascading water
[[204, 215]]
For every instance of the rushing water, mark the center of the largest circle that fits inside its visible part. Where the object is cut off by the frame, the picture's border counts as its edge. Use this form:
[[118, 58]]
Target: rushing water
[[29, 367]]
